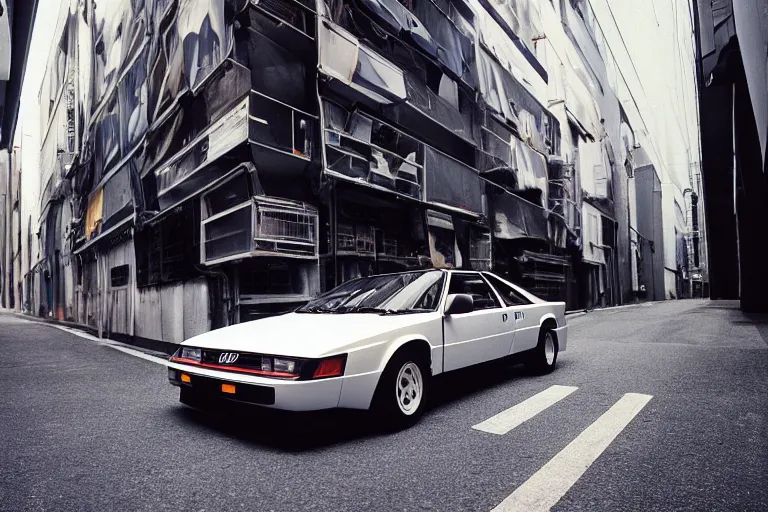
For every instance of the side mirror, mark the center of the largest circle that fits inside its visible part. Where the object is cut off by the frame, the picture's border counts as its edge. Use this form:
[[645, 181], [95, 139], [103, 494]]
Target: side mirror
[[459, 303]]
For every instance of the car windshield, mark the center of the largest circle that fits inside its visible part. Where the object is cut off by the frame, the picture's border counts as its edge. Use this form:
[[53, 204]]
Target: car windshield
[[408, 292]]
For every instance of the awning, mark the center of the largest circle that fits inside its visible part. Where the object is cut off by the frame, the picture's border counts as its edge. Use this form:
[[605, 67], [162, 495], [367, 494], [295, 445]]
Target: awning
[[532, 170], [343, 57], [517, 218], [451, 183], [549, 259], [580, 127], [183, 174], [123, 224], [201, 190]]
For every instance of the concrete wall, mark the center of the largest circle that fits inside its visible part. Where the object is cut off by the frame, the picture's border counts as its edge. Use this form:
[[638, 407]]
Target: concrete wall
[[173, 312]]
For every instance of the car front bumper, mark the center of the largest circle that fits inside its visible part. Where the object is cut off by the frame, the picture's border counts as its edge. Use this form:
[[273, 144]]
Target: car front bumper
[[289, 395]]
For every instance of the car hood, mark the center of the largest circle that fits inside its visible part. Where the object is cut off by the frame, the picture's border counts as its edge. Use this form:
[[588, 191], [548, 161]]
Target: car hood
[[307, 334]]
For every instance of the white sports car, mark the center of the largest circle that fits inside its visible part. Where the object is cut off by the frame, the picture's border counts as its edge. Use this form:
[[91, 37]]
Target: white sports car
[[372, 343]]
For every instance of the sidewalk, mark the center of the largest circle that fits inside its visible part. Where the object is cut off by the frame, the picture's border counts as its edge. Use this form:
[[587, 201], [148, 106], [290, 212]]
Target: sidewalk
[[150, 347], [579, 312]]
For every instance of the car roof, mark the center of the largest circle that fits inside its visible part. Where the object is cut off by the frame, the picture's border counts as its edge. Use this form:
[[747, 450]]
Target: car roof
[[533, 298]]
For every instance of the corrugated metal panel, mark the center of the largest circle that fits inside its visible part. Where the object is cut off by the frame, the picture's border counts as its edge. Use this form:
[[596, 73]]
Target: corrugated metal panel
[[171, 297], [91, 294], [118, 319], [197, 316], [149, 314], [118, 315]]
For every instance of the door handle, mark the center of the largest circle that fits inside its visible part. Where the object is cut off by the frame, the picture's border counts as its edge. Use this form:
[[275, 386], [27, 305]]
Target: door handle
[[504, 317]]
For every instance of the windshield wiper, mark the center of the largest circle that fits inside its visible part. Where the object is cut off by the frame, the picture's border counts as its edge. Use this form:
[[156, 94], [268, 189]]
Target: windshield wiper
[[405, 311], [380, 311], [363, 309], [313, 309]]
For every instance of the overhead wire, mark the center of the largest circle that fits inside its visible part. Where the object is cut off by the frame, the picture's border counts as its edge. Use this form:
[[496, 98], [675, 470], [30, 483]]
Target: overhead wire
[[684, 133]]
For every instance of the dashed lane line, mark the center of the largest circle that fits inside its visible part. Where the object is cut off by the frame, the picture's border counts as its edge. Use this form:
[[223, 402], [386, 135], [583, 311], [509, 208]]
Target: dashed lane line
[[550, 483], [516, 415]]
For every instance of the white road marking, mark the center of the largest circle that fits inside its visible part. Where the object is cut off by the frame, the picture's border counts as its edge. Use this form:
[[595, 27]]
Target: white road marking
[[113, 344], [78, 333], [522, 412], [545, 488], [139, 354]]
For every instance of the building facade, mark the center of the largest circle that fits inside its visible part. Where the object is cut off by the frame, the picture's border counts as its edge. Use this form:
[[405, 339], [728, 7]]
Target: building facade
[[731, 37], [209, 162]]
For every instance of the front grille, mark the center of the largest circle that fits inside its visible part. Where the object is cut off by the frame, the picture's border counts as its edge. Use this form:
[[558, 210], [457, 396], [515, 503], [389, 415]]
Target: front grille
[[244, 360]]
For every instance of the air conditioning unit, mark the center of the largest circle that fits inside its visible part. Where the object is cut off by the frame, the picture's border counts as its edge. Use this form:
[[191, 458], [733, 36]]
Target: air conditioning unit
[[5, 42]]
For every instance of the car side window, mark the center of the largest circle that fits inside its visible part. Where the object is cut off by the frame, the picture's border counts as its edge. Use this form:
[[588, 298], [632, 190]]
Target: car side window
[[475, 286], [510, 296]]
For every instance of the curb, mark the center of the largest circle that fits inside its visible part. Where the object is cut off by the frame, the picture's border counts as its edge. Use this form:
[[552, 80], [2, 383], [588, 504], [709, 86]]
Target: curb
[[580, 312], [151, 347]]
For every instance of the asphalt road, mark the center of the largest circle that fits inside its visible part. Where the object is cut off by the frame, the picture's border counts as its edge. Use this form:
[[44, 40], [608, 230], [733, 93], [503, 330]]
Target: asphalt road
[[84, 426]]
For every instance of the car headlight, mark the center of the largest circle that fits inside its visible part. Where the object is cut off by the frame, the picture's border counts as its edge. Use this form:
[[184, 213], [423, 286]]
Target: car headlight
[[280, 365], [191, 353], [284, 365]]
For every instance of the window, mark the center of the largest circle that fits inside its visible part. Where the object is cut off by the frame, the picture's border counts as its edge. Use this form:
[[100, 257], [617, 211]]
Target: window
[[165, 251], [475, 286], [119, 276], [509, 295], [228, 195]]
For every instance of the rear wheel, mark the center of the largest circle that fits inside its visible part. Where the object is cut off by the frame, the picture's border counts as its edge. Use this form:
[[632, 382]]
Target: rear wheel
[[400, 397], [544, 357]]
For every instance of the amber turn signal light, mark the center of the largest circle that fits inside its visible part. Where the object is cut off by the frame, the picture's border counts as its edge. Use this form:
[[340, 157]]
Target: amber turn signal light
[[185, 378], [228, 388]]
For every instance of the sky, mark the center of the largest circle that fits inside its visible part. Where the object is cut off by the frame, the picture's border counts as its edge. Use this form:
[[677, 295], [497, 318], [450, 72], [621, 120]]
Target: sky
[[660, 70]]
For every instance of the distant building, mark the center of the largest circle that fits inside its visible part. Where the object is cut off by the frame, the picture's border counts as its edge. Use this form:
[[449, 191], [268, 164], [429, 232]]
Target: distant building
[[16, 21], [205, 163]]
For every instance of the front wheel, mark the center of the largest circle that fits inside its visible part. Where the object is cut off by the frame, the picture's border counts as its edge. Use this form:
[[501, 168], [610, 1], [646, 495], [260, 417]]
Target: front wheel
[[544, 357], [400, 397]]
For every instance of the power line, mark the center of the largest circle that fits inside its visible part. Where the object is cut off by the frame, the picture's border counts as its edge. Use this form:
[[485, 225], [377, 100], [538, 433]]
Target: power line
[[632, 96], [637, 75]]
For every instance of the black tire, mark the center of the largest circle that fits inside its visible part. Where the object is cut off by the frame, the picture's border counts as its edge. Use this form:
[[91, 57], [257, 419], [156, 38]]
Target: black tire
[[537, 361], [386, 404]]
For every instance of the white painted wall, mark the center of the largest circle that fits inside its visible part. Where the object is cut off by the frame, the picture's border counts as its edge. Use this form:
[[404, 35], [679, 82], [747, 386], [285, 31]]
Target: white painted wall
[[592, 233], [28, 130]]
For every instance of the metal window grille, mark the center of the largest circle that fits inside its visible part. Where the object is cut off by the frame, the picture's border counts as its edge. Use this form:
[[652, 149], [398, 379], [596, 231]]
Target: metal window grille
[[390, 247], [365, 239], [345, 238], [285, 225], [480, 252]]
